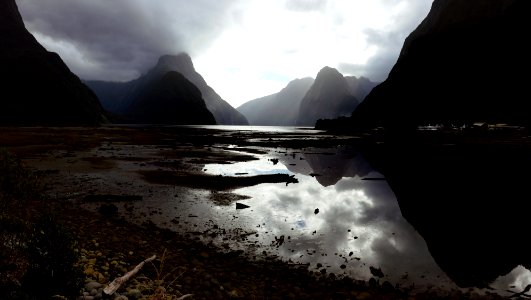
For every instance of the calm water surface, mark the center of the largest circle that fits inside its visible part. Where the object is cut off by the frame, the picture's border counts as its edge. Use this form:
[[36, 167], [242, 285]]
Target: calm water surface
[[342, 217]]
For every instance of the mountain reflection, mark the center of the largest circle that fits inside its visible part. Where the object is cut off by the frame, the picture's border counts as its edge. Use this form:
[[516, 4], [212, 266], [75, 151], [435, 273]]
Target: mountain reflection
[[358, 223], [336, 220], [328, 166]]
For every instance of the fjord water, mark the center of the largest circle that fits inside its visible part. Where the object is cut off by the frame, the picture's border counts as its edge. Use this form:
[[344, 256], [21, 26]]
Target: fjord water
[[343, 217]]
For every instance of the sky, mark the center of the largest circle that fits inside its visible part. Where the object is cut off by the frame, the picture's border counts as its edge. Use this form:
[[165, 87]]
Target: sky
[[245, 49]]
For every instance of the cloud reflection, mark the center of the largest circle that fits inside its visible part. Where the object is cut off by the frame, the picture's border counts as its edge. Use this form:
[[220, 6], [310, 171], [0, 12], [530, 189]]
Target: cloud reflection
[[355, 216]]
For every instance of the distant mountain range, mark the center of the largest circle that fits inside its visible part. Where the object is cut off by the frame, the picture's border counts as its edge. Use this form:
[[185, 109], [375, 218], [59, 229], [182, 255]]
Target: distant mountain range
[[305, 100], [118, 97], [37, 88], [466, 62], [280, 109]]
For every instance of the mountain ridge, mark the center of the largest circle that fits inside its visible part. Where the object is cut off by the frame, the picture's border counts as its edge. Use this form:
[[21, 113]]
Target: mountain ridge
[[38, 88], [116, 95]]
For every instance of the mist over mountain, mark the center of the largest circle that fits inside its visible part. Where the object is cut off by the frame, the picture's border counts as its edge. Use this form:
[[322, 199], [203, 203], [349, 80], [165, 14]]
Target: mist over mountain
[[37, 87], [459, 66], [280, 109], [284, 108], [116, 96], [360, 87], [329, 97]]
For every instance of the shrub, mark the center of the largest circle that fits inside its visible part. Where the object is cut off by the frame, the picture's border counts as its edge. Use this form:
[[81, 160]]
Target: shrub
[[37, 259]]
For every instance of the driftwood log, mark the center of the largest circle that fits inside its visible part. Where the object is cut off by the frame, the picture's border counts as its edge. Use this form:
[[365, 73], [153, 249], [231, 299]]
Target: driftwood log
[[117, 283]]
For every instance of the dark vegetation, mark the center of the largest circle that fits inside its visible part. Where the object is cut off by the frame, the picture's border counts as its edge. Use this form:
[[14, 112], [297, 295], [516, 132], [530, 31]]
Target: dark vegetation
[[37, 259]]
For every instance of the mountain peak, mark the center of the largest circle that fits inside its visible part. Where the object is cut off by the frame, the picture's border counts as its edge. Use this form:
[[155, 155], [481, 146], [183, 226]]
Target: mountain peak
[[328, 72], [37, 86], [9, 15], [13, 31], [182, 62]]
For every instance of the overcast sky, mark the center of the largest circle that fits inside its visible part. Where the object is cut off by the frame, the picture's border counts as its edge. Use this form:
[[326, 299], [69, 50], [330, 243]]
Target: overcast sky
[[245, 49]]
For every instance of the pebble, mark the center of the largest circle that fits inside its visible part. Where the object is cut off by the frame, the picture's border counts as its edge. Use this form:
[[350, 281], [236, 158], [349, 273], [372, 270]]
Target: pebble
[[93, 285], [134, 294]]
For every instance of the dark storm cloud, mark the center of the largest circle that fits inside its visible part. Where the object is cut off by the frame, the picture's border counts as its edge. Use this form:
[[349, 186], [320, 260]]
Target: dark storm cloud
[[306, 5], [115, 40]]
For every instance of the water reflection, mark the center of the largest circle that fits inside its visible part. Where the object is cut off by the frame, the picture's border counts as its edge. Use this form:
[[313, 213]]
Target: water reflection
[[469, 203], [337, 221]]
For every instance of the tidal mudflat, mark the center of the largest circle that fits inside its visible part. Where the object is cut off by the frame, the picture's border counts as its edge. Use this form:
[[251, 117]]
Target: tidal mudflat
[[289, 206]]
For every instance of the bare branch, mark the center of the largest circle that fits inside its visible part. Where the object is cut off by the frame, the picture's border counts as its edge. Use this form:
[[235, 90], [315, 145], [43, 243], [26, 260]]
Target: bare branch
[[115, 285]]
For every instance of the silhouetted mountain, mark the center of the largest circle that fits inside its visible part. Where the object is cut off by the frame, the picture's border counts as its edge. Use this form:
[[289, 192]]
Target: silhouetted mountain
[[360, 87], [280, 109], [329, 97], [37, 88], [115, 96], [172, 99], [465, 62], [328, 167]]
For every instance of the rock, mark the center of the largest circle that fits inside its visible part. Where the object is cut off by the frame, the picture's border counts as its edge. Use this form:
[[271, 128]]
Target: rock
[[376, 272], [387, 286], [122, 297], [92, 285], [316, 211], [108, 210], [134, 294], [241, 206]]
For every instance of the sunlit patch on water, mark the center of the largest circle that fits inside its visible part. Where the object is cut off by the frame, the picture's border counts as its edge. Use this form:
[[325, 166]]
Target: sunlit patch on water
[[250, 168]]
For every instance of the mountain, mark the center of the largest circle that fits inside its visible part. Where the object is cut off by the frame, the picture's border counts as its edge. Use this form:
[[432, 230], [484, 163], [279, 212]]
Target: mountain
[[280, 109], [37, 88], [328, 169], [116, 96], [329, 97], [465, 62], [172, 99], [161, 96], [360, 87]]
